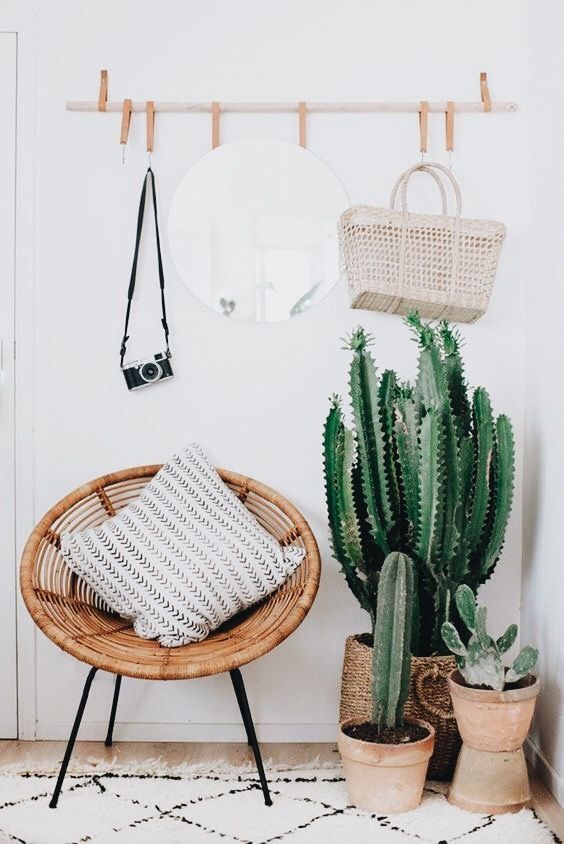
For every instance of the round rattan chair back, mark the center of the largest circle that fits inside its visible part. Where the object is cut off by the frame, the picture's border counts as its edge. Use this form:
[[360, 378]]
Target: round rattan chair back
[[65, 608]]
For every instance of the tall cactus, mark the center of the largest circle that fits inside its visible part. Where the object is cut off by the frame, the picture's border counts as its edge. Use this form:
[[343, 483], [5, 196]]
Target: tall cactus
[[426, 470], [346, 533], [392, 638]]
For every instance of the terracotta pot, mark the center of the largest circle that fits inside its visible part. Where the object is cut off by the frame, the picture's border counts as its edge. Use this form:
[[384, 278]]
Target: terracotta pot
[[429, 699], [385, 778], [490, 720], [491, 772]]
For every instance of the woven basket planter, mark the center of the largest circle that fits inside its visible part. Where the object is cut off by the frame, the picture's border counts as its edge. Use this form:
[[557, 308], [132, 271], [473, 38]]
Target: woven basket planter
[[397, 261], [429, 699]]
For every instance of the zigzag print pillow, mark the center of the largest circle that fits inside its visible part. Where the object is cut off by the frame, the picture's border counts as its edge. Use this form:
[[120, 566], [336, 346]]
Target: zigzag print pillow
[[184, 557]]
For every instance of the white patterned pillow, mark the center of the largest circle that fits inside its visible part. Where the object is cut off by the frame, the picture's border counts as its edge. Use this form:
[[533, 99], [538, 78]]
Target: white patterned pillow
[[184, 557]]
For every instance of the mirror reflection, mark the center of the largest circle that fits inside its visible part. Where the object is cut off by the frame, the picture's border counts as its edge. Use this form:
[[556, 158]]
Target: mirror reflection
[[253, 229]]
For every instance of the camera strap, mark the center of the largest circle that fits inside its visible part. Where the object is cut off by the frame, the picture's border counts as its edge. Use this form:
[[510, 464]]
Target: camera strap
[[149, 175]]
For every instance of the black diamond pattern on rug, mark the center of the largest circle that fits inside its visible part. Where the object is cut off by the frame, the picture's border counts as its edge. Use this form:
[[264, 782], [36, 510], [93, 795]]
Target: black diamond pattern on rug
[[310, 807]]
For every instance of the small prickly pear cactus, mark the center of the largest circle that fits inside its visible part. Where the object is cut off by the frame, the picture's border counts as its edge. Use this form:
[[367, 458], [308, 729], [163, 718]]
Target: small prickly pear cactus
[[480, 661], [392, 635]]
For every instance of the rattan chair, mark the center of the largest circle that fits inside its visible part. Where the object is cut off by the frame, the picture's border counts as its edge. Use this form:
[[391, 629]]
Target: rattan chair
[[77, 620]]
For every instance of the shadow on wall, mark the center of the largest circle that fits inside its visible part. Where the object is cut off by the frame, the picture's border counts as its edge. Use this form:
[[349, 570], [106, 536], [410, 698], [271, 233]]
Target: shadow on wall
[[542, 735], [531, 488]]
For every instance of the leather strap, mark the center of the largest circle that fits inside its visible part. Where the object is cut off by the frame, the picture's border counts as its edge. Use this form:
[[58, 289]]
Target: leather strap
[[131, 290], [449, 126], [485, 92], [125, 121], [423, 125], [150, 114], [302, 113], [103, 92], [215, 124]]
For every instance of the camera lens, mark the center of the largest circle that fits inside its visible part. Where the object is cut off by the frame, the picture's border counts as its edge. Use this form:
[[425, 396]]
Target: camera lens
[[150, 372]]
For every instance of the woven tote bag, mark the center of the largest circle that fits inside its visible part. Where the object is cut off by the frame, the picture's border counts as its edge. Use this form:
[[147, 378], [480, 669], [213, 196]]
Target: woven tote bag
[[397, 261]]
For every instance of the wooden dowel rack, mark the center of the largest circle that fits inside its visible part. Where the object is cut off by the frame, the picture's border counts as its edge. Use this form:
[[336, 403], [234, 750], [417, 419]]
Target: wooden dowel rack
[[294, 108], [301, 108]]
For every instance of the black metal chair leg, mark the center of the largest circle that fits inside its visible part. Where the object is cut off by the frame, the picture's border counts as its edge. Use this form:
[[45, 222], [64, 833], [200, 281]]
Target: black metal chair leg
[[110, 734], [72, 739], [241, 695], [237, 687]]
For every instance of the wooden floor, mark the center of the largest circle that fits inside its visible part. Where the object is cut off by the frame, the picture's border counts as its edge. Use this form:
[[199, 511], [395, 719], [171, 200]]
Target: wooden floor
[[49, 753], [190, 753]]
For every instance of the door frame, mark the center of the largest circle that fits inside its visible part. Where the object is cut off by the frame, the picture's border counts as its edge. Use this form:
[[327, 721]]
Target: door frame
[[22, 24], [8, 662]]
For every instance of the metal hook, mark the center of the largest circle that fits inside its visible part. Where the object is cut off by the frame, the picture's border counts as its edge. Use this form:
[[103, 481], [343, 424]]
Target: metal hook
[[123, 153], [149, 158]]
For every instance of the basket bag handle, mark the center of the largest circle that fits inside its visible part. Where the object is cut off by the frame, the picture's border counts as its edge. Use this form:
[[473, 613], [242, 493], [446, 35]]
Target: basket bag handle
[[438, 181], [430, 168], [434, 170]]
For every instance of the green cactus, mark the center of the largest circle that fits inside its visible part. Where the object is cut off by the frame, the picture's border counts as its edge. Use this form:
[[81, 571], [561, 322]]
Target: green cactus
[[480, 661], [345, 531], [392, 638], [425, 470], [370, 440]]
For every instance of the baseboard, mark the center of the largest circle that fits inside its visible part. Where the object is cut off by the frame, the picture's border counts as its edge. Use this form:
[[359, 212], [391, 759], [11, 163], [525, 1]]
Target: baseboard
[[544, 770], [7, 730], [96, 730]]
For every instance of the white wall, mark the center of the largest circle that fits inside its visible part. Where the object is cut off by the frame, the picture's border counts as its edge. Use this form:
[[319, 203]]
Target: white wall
[[256, 396], [543, 573]]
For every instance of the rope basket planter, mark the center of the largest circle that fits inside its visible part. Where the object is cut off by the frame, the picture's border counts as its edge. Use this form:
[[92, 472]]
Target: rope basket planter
[[67, 610], [429, 699], [397, 261]]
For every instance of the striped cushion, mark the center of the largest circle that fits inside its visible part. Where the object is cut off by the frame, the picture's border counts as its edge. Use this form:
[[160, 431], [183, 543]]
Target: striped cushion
[[184, 557]]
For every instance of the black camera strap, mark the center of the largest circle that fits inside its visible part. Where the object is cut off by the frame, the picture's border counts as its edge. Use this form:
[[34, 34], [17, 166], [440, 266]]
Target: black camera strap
[[149, 175]]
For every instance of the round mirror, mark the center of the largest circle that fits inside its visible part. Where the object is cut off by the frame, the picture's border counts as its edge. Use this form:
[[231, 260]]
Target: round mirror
[[253, 229]]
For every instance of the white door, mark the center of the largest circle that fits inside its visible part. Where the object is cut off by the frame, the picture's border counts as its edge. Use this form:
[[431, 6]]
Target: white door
[[8, 693]]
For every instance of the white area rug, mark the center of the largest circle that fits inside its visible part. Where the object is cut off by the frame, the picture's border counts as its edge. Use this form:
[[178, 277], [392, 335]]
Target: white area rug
[[202, 807]]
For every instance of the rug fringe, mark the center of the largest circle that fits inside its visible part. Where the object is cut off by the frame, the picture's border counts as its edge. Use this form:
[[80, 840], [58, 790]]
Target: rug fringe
[[158, 767]]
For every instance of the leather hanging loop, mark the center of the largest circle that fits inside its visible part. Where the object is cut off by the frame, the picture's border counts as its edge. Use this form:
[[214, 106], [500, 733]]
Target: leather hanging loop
[[126, 111], [302, 115], [103, 91], [485, 92], [449, 126], [215, 110], [150, 109], [423, 126]]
